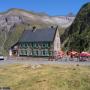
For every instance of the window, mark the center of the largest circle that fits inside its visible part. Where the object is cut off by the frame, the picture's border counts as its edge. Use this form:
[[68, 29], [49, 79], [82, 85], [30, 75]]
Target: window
[[45, 53], [23, 52], [34, 45], [46, 45], [43, 44], [24, 45], [35, 52], [50, 53]]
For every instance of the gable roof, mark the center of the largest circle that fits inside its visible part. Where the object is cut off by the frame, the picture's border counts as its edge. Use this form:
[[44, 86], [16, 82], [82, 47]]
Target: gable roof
[[39, 35]]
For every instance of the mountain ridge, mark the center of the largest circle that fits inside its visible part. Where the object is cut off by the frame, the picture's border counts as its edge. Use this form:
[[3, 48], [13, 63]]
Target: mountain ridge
[[62, 21], [77, 36], [14, 21]]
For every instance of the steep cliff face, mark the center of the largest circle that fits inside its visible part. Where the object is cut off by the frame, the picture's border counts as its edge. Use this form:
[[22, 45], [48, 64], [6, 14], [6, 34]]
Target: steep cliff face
[[77, 36]]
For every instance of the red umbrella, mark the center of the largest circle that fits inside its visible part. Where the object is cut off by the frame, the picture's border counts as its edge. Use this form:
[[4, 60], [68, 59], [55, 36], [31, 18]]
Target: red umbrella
[[74, 52], [60, 53], [85, 54], [88, 54]]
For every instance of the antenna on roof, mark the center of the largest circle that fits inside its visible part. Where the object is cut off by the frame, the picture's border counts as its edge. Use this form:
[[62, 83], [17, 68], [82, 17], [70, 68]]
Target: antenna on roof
[[52, 26], [34, 28]]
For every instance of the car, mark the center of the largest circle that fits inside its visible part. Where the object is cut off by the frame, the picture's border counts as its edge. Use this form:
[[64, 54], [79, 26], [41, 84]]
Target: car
[[1, 57]]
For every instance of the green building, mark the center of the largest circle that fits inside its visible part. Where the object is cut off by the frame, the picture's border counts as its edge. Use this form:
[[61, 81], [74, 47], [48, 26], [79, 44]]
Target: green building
[[37, 43]]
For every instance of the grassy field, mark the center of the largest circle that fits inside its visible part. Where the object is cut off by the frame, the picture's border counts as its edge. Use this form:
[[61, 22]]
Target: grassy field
[[45, 77]]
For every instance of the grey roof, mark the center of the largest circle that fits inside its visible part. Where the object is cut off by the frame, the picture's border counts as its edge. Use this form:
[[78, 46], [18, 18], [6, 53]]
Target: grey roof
[[39, 35]]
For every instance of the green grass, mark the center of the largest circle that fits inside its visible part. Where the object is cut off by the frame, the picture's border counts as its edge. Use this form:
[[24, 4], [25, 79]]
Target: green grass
[[46, 77]]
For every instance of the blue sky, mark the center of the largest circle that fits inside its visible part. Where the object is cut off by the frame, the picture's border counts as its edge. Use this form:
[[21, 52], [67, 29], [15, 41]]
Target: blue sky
[[51, 7]]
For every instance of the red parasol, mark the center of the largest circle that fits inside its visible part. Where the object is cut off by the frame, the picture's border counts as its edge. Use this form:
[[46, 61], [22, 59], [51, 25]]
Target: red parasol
[[85, 54], [60, 53], [74, 52]]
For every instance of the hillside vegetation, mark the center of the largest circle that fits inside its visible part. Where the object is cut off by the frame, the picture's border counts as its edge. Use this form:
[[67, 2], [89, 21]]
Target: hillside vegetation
[[13, 37], [45, 77], [77, 36]]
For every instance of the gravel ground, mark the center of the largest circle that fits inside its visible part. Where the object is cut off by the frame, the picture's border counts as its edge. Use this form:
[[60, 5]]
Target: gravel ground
[[37, 61]]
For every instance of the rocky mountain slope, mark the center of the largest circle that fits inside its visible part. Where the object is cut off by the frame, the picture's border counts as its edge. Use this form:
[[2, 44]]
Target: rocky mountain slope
[[15, 16], [14, 21], [77, 36]]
